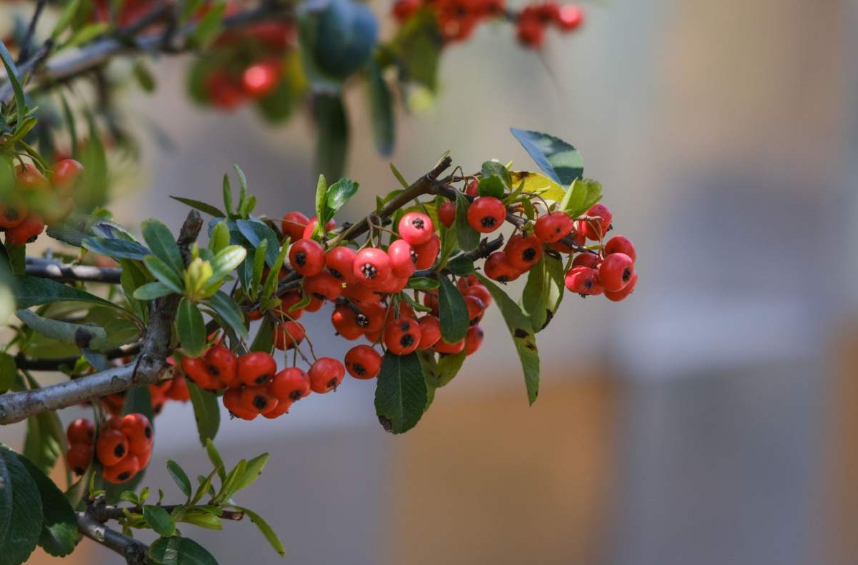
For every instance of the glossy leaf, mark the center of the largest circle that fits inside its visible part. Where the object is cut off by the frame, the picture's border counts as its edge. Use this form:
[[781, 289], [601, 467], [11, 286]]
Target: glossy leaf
[[58, 535], [555, 157], [191, 328], [26, 520], [400, 394], [163, 244], [159, 520], [179, 551], [265, 528], [453, 312], [206, 412], [32, 291], [467, 237], [181, 478], [201, 206]]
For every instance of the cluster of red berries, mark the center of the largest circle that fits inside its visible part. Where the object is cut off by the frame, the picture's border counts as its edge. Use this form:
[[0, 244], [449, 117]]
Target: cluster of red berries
[[123, 447], [457, 19], [36, 201], [175, 389]]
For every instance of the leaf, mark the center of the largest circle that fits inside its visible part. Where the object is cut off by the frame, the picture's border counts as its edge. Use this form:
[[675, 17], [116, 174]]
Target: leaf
[[33, 291], [555, 157], [164, 273], [86, 34], [337, 195], [522, 333], [116, 248], [206, 412], [8, 370], [544, 291], [253, 471], [266, 529], [228, 259], [14, 79], [498, 169], [159, 520], [201, 206], [255, 232], [453, 312], [423, 283], [215, 458], [151, 291], [180, 477], [163, 244], [206, 484], [179, 551], [83, 336], [65, 18], [381, 110], [229, 312], [581, 195], [210, 26], [202, 520], [25, 518], [418, 45], [58, 535], [468, 237], [492, 186], [191, 328], [400, 394], [333, 139], [461, 266], [448, 367], [398, 176], [45, 440]]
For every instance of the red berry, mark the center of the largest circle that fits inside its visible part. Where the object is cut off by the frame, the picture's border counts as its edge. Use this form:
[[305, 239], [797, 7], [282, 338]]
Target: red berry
[[475, 309], [447, 213], [324, 286], [427, 252], [486, 214], [583, 281], [79, 457], [596, 229], [111, 447], [372, 316], [257, 399], [621, 295], [232, 402], [372, 267], [143, 459], [360, 294], [198, 371], [179, 391], [260, 79], [315, 304], [293, 225], [591, 260], [290, 385], [473, 340], [138, 429], [402, 336], [394, 285], [12, 215], [341, 263], [523, 252], [279, 410], [65, 174], [616, 272], [498, 268], [311, 227], [289, 300], [81, 431], [404, 9], [30, 178], [430, 331], [621, 244], [402, 258], [25, 232], [326, 374], [288, 335], [256, 369], [569, 17], [553, 227], [530, 33], [449, 348], [224, 91], [473, 188], [345, 321], [480, 292], [123, 470], [416, 228], [363, 362], [307, 257], [222, 364]]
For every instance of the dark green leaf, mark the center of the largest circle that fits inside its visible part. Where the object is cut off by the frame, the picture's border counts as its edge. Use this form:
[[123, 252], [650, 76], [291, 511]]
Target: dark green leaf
[[461, 266], [206, 412], [191, 328], [180, 477], [423, 283], [255, 232], [453, 312], [8, 370], [555, 157], [164, 273], [83, 336], [210, 25], [201, 206], [337, 195], [159, 520], [468, 237], [215, 458], [400, 394], [151, 291], [59, 526], [33, 291], [522, 333], [229, 312], [179, 551], [12, 74], [116, 248], [333, 139], [496, 168], [163, 244], [253, 471], [381, 107], [45, 440], [266, 530], [448, 367], [491, 186], [26, 520]]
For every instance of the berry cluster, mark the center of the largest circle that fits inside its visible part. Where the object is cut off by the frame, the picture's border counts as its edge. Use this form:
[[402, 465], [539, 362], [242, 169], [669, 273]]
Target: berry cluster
[[457, 19], [36, 201], [123, 447]]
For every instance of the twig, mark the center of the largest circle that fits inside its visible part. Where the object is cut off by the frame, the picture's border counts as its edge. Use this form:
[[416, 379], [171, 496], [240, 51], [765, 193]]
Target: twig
[[56, 363], [58, 271], [148, 368], [31, 30], [134, 552], [103, 513]]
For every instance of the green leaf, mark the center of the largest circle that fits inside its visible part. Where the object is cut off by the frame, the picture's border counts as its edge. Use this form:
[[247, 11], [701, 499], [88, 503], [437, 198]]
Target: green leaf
[[227, 196], [144, 76], [491, 186], [337, 195], [202, 520], [468, 237], [8, 371], [159, 520], [25, 519], [418, 45], [45, 441], [12, 74], [461, 266], [179, 551], [58, 535], [453, 312], [206, 412], [229, 312], [321, 202], [381, 110], [228, 259], [209, 26], [522, 333], [581, 195], [555, 157], [191, 328], [215, 458], [423, 283], [398, 176], [86, 34], [201, 206], [544, 291], [448, 367], [151, 291], [206, 484], [180, 477], [163, 244], [33, 291], [83, 336], [65, 18], [266, 529], [116, 248], [498, 169], [333, 139], [164, 273], [253, 471], [256, 232], [400, 394]]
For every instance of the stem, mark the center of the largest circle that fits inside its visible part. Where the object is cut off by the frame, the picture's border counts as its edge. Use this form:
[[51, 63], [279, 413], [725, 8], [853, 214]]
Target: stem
[[148, 368], [55, 363], [31, 29], [103, 513], [48, 269], [134, 552]]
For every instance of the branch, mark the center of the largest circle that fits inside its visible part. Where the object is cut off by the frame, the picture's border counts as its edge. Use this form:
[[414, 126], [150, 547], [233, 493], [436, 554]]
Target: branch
[[58, 271], [56, 363], [134, 552], [31, 29], [148, 368]]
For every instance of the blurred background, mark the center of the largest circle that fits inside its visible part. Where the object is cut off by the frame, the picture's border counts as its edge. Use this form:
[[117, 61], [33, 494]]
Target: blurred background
[[709, 419]]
